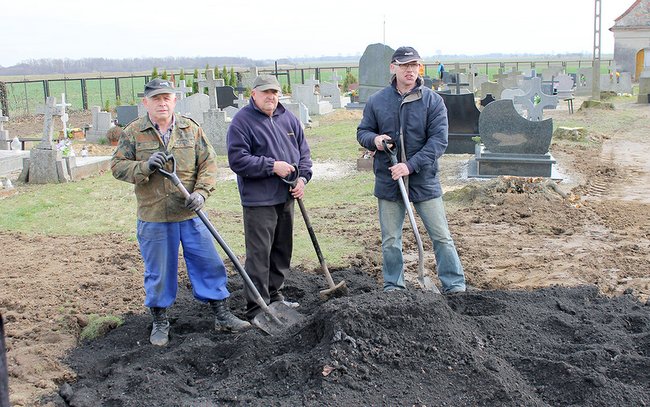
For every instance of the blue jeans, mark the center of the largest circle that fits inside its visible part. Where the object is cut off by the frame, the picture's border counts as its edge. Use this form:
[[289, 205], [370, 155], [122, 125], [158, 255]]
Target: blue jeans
[[159, 244], [432, 213]]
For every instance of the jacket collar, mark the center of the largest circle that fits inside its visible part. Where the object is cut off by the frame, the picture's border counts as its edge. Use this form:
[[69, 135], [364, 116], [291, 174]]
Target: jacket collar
[[418, 84], [278, 110], [179, 122]]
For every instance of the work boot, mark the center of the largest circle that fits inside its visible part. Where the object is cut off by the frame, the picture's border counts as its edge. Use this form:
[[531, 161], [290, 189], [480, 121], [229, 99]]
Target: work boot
[[160, 330], [224, 319]]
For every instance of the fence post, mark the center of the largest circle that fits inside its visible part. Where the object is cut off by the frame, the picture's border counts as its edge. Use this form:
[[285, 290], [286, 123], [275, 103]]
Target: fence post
[[117, 89], [46, 89], [84, 94]]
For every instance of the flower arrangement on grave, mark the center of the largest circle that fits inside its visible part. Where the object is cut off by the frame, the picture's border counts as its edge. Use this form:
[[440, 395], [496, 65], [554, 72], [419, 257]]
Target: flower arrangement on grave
[[65, 147]]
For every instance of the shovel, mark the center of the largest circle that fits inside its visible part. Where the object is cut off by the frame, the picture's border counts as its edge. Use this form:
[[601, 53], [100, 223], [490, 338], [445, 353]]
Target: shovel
[[425, 281], [275, 317], [334, 290]]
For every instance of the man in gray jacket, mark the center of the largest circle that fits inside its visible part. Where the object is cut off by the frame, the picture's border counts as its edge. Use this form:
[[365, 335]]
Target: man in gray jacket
[[414, 119]]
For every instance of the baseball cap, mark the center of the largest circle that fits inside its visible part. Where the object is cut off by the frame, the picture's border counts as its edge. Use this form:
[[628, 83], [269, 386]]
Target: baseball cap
[[266, 82], [157, 86], [404, 55]]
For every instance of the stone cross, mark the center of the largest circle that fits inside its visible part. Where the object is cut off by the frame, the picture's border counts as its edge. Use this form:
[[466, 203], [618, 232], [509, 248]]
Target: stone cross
[[49, 111], [535, 111], [63, 114], [212, 84], [456, 84], [335, 77], [182, 89]]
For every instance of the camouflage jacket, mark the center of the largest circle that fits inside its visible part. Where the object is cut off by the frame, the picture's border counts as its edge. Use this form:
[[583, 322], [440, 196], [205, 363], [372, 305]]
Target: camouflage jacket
[[158, 199]]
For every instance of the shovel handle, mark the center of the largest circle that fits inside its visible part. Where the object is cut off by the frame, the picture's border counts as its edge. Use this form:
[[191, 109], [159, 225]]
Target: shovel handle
[[171, 175]]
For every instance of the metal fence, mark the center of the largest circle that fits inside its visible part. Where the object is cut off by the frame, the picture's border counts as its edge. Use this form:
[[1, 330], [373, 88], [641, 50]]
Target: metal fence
[[25, 97]]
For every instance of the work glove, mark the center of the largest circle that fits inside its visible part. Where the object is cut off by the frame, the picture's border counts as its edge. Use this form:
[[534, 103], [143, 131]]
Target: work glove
[[194, 202], [157, 161]]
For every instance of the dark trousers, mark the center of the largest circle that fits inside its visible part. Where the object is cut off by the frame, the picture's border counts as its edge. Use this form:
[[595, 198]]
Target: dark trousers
[[268, 233]]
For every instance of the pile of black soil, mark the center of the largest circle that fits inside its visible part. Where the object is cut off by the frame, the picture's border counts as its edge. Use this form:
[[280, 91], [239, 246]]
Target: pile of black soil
[[557, 346]]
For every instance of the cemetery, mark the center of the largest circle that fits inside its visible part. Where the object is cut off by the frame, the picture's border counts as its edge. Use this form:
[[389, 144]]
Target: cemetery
[[547, 193]]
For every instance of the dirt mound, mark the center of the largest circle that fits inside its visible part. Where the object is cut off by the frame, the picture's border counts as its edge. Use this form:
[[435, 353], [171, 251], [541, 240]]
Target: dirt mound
[[555, 346]]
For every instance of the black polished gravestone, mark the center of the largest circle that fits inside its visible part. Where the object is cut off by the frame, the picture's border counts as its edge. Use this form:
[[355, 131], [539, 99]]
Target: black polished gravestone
[[463, 118], [512, 145], [226, 97], [487, 99], [126, 114]]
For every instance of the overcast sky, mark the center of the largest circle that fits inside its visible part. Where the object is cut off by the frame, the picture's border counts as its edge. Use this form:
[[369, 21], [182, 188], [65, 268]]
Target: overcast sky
[[75, 29]]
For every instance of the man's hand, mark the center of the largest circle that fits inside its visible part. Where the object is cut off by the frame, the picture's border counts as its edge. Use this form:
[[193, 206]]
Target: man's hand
[[298, 191], [157, 161], [194, 202], [378, 141], [399, 170], [282, 169]]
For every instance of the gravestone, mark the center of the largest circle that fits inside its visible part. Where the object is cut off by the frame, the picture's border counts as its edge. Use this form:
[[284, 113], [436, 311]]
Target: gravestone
[[487, 99], [215, 122], [564, 89], [644, 84], [193, 106], [101, 122], [46, 164], [493, 88], [463, 117], [510, 94], [226, 96], [584, 82], [457, 86], [535, 107], [309, 95], [63, 115], [512, 145], [300, 111], [330, 92], [126, 114], [374, 72], [182, 90], [4, 134], [231, 111], [621, 83]]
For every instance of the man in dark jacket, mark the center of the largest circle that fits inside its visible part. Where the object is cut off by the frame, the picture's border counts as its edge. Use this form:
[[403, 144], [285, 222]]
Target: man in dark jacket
[[413, 118], [265, 141]]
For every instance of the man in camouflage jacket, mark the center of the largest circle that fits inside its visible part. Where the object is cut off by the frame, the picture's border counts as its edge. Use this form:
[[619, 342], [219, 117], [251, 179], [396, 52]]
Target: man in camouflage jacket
[[166, 219]]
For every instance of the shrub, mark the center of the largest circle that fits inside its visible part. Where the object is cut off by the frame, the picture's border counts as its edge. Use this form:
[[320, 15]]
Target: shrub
[[348, 80], [154, 73]]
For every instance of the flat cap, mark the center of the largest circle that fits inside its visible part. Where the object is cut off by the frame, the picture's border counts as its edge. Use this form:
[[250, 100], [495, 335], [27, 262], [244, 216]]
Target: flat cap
[[266, 82]]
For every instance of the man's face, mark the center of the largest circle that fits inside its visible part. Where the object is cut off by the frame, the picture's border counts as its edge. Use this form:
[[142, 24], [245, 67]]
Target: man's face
[[160, 107], [266, 100], [406, 74]]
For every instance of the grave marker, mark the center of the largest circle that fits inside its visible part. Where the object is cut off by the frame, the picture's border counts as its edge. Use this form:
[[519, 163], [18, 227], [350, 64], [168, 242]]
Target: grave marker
[[512, 145]]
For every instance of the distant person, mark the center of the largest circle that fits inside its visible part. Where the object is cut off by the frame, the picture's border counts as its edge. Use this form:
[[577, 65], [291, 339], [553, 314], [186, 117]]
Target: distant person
[[441, 70], [264, 142], [166, 219], [414, 119]]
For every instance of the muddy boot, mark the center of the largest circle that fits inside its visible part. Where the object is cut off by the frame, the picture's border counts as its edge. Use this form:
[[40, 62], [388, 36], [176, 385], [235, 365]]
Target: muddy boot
[[160, 330], [224, 319]]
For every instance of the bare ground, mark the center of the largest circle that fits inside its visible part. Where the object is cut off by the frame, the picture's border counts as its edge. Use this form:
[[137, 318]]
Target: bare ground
[[559, 315]]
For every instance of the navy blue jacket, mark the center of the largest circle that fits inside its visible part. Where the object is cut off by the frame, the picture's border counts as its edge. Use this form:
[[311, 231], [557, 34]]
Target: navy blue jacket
[[255, 141], [423, 117]]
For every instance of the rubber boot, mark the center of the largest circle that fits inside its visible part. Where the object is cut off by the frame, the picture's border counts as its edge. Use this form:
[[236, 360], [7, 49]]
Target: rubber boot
[[160, 330], [224, 319]]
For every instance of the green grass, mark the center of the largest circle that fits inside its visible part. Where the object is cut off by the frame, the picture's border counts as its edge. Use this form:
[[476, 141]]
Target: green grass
[[99, 326]]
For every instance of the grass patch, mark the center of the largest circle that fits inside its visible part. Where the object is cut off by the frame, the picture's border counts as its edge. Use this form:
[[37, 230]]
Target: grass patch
[[99, 326]]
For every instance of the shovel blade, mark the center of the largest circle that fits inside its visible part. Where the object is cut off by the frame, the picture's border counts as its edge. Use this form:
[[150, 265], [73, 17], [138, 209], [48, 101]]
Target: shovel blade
[[276, 318], [427, 284]]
